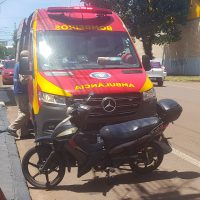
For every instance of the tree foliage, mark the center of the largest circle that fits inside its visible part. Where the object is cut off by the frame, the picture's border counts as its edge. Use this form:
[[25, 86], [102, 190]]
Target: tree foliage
[[2, 51], [9, 52], [152, 21], [15, 40]]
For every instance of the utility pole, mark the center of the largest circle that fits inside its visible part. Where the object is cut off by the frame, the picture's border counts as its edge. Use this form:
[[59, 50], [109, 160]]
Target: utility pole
[[3, 2]]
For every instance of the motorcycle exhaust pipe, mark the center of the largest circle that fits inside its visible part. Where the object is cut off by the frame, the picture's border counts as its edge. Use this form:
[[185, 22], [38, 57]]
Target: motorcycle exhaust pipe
[[118, 161]]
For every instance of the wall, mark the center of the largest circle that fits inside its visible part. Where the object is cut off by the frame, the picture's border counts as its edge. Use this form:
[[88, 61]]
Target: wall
[[157, 50], [183, 57], [194, 10]]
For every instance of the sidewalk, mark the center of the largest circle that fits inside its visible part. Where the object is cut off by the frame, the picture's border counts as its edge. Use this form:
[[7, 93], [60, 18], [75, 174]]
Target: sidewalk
[[12, 182]]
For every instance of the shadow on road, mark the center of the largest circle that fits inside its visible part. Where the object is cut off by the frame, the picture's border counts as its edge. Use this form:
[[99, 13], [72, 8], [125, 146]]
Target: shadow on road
[[104, 185], [7, 96], [155, 85]]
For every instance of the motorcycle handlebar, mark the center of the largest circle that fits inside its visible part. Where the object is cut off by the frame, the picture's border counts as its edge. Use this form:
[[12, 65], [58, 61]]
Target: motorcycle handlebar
[[75, 105], [89, 97]]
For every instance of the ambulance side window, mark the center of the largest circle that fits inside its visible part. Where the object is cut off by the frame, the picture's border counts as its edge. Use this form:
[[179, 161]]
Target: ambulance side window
[[30, 49], [127, 45], [17, 50]]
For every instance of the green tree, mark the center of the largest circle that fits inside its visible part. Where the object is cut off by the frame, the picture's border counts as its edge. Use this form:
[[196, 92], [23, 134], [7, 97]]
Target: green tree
[[7, 53], [15, 40], [152, 21], [2, 52], [10, 53]]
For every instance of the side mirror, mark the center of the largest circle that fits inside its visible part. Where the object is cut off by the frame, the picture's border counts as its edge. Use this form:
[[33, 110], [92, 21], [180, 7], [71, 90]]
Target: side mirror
[[146, 62], [24, 63]]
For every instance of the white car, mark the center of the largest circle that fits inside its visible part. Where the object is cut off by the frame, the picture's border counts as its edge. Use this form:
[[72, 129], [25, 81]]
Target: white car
[[1, 65], [157, 72]]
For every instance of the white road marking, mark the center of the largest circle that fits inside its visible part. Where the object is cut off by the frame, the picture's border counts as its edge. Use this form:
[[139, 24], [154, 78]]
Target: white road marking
[[186, 157]]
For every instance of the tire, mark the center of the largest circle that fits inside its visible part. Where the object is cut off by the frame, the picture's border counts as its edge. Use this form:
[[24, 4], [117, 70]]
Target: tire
[[144, 165], [26, 162], [160, 82]]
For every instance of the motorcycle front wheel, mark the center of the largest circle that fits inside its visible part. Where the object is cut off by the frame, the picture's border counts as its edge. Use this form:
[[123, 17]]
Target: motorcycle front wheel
[[32, 163], [149, 159]]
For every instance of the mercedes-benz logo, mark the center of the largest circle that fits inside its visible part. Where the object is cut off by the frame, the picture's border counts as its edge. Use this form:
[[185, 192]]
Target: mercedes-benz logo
[[109, 104]]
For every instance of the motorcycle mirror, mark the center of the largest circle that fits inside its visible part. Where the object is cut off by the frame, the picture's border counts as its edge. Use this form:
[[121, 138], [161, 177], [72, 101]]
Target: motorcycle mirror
[[69, 110]]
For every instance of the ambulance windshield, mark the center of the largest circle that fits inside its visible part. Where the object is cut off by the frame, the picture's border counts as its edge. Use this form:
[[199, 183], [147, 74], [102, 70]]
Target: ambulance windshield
[[61, 50]]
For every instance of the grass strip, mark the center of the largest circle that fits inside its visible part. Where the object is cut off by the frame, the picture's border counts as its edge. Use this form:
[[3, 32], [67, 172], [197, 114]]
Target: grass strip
[[183, 78]]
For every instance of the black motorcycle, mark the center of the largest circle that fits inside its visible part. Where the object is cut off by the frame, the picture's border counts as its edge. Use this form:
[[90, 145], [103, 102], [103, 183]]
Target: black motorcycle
[[139, 144]]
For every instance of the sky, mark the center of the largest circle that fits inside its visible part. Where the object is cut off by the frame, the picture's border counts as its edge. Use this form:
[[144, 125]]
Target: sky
[[13, 11]]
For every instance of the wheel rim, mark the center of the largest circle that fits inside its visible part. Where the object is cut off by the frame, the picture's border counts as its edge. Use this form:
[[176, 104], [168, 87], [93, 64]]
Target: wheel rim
[[45, 178], [150, 158]]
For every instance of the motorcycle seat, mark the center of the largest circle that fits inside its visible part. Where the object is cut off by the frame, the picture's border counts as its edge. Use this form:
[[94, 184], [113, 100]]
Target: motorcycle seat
[[124, 132]]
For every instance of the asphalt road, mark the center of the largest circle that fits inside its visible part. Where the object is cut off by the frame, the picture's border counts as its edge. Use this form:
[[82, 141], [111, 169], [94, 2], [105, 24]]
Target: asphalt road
[[178, 177]]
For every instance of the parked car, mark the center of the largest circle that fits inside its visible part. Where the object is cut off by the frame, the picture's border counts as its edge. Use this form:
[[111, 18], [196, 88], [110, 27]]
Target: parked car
[[1, 65], [8, 72], [157, 72]]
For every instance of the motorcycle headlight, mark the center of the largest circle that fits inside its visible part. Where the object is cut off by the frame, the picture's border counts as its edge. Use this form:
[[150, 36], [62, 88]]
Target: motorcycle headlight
[[149, 95], [50, 98]]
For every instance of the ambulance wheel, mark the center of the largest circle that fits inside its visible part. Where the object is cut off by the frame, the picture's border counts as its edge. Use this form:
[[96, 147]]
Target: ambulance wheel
[[160, 82]]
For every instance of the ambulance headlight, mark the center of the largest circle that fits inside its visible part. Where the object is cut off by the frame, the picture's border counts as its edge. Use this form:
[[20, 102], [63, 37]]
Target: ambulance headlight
[[50, 98], [149, 95]]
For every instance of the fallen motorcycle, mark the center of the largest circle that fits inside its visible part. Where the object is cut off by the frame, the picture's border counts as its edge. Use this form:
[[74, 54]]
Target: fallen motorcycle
[[139, 143]]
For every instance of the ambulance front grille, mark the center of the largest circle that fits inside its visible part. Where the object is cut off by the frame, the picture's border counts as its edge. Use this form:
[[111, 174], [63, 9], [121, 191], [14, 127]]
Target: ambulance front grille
[[126, 104]]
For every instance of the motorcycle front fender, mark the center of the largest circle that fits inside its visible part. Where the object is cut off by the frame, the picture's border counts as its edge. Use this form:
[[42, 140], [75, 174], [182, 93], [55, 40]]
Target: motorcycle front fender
[[165, 146]]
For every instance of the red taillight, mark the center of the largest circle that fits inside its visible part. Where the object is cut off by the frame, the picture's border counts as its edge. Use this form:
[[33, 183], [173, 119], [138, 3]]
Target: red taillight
[[165, 126], [78, 9]]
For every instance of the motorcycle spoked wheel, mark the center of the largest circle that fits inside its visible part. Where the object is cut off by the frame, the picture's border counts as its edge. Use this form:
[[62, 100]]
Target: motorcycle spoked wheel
[[150, 159], [31, 164]]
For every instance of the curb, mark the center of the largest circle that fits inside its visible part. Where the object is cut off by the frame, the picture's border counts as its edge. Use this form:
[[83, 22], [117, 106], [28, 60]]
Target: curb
[[12, 182]]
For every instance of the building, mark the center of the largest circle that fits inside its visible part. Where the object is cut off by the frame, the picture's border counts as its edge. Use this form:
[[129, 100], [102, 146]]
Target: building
[[156, 49], [183, 57]]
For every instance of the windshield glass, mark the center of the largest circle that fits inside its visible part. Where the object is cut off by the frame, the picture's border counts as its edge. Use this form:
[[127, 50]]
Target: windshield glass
[[9, 65], [61, 50], [155, 64]]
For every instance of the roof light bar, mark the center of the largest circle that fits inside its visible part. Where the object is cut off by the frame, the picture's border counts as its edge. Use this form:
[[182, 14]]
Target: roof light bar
[[79, 10]]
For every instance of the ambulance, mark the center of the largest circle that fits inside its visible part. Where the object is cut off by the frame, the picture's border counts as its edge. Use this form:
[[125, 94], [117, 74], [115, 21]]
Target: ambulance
[[71, 52]]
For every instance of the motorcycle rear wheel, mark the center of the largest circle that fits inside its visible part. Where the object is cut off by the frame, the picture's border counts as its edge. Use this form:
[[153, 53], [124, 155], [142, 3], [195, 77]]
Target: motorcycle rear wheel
[[43, 180], [150, 159]]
